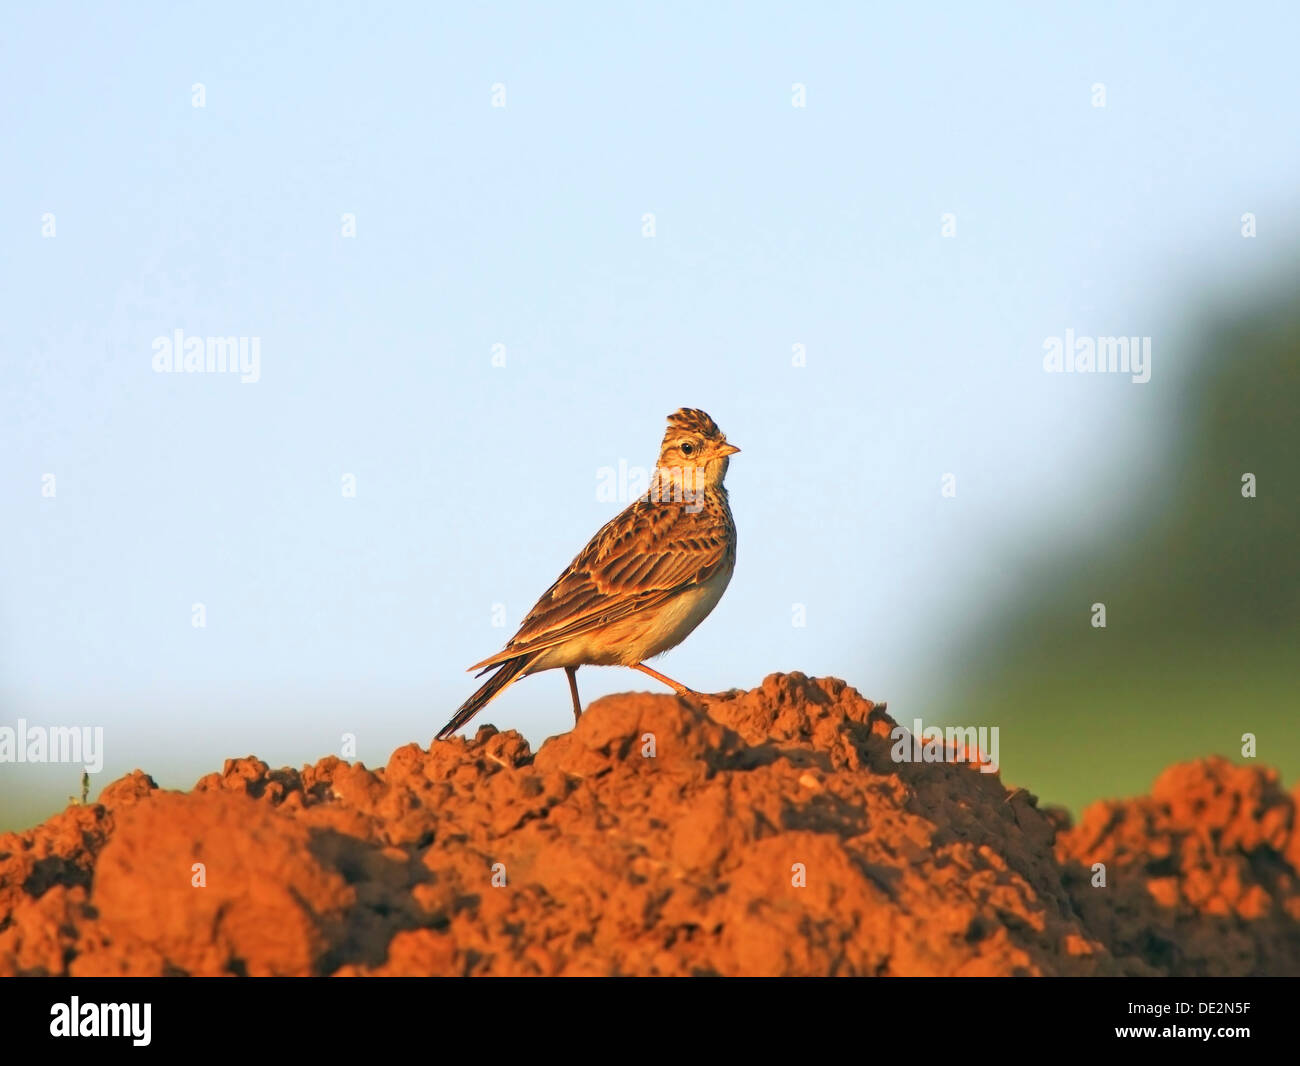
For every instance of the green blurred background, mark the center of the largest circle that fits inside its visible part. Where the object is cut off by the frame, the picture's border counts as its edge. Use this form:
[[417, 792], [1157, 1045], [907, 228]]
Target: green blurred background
[[1201, 587]]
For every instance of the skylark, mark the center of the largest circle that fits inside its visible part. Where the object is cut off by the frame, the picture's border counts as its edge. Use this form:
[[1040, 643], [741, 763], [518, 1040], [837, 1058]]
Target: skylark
[[643, 583]]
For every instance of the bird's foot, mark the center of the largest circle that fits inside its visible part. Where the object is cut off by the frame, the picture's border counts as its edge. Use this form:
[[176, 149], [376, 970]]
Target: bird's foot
[[707, 699]]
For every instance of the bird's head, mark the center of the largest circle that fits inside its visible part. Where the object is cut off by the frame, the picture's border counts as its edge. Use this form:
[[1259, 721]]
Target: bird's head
[[694, 454]]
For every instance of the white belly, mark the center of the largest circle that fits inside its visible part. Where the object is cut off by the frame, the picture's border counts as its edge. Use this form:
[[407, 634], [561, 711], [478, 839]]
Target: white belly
[[676, 621], [643, 636]]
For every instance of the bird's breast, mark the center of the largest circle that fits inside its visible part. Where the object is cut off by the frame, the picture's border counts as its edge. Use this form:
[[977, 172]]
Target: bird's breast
[[677, 618]]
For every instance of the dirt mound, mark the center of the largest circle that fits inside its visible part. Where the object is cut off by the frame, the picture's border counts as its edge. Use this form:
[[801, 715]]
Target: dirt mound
[[773, 834], [1202, 874]]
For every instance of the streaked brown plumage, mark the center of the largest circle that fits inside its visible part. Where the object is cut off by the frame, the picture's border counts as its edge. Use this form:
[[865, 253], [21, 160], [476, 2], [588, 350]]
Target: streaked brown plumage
[[642, 584]]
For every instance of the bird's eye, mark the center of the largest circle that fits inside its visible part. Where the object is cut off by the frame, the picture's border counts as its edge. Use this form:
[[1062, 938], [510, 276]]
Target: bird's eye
[[687, 449]]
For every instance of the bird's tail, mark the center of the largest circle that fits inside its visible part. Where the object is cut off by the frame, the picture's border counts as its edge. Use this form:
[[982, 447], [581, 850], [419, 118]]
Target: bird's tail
[[507, 672]]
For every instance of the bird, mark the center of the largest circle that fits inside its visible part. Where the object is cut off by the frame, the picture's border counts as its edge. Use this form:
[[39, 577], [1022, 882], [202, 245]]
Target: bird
[[642, 584]]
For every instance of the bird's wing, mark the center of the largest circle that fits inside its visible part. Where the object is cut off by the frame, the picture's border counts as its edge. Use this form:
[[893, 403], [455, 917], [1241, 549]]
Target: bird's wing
[[638, 561]]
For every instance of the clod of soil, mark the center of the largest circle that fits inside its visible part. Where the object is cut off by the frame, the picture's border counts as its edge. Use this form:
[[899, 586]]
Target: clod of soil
[[771, 833]]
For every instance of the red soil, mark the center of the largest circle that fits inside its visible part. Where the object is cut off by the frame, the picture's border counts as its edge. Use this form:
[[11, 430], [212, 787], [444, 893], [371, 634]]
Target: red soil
[[686, 862]]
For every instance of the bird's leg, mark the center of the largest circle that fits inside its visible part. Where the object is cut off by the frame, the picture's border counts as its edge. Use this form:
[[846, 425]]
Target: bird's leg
[[572, 672], [681, 690]]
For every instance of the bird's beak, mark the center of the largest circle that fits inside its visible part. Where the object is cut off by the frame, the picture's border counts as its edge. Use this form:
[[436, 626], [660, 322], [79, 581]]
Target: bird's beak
[[728, 449]]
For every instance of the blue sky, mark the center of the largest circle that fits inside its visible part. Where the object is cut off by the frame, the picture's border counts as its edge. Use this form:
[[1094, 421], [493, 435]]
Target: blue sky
[[522, 226]]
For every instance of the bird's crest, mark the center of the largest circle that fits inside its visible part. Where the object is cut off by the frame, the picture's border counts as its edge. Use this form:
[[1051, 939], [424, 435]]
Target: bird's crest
[[693, 420]]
